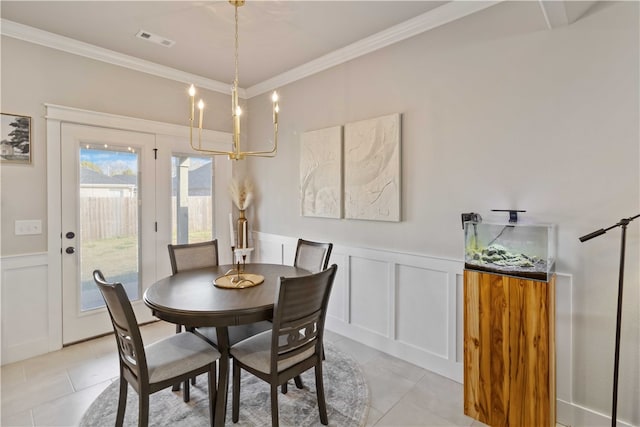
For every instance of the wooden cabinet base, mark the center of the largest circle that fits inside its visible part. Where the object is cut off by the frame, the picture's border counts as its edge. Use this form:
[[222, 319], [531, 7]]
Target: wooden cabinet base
[[509, 350]]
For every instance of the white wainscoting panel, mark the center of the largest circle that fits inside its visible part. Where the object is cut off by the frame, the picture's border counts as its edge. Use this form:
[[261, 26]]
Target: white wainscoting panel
[[338, 308], [369, 284], [268, 251], [403, 304], [25, 307], [411, 306], [422, 309], [564, 357], [459, 318]]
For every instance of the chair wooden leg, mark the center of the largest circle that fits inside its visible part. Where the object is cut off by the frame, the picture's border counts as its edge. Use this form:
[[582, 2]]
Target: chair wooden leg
[[176, 387], [185, 392], [235, 391], [213, 390], [143, 406], [193, 380], [274, 405], [322, 405], [298, 381], [122, 402], [285, 388]]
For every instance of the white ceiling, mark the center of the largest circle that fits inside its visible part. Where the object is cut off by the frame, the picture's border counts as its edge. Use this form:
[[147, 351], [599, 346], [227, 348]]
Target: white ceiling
[[279, 40]]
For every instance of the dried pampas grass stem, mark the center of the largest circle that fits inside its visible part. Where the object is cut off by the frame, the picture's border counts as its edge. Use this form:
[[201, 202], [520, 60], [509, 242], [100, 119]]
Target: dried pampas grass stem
[[241, 194]]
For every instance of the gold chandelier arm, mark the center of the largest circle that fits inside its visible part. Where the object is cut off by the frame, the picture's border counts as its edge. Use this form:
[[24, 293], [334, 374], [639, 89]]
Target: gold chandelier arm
[[209, 151], [269, 153]]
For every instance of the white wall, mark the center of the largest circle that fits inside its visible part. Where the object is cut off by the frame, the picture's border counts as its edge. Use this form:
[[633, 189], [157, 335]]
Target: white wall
[[32, 75], [496, 114]]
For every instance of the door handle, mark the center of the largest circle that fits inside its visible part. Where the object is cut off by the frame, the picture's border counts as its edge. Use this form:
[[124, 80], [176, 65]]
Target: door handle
[[70, 250]]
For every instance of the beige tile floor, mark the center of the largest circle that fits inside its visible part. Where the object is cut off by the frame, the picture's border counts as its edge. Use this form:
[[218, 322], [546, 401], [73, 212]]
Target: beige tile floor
[[55, 389]]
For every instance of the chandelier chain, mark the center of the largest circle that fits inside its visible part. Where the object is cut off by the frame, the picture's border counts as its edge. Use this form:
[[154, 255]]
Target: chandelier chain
[[236, 46]]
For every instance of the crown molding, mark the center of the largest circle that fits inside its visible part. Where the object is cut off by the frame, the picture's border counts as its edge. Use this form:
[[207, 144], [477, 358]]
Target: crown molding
[[427, 21], [437, 17], [69, 45]]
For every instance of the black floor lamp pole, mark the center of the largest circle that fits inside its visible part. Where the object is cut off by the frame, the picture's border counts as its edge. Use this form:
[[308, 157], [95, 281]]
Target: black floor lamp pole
[[623, 242]]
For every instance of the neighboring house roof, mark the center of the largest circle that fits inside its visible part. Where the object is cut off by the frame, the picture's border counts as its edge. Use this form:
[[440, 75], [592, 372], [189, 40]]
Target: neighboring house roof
[[90, 177], [199, 181]]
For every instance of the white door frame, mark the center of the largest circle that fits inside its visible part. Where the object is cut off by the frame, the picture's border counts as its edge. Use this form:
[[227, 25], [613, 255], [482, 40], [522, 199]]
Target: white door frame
[[78, 325], [55, 116]]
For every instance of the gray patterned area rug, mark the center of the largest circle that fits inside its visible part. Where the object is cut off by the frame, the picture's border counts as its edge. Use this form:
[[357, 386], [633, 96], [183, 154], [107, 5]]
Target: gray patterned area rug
[[346, 393]]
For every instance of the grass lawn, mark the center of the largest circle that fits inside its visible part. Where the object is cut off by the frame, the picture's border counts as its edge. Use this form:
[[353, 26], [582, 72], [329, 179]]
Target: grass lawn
[[118, 256]]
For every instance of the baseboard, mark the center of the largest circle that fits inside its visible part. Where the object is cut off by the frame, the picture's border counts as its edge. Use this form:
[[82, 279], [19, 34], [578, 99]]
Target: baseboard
[[574, 415]]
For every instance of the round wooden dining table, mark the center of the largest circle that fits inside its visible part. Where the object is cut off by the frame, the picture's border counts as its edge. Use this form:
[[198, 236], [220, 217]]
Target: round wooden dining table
[[190, 298]]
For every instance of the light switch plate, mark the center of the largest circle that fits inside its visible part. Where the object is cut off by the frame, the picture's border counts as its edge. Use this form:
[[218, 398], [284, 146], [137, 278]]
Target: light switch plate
[[30, 226]]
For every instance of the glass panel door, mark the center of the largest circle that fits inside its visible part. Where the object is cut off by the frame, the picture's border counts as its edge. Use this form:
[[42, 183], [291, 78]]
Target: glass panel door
[[191, 199], [108, 223]]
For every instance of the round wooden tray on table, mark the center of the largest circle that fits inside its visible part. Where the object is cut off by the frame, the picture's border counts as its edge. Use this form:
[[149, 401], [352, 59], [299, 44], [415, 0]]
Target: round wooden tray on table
[[238, 281]]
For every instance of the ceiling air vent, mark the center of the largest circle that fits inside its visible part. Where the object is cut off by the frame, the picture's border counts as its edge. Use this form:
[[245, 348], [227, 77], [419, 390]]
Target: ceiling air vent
[[154, 38]]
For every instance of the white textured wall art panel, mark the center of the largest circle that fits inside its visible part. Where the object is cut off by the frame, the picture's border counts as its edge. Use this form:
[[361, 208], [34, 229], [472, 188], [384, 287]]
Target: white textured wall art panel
[[422, 309], [321, 173], [372, 169], [369, 294]]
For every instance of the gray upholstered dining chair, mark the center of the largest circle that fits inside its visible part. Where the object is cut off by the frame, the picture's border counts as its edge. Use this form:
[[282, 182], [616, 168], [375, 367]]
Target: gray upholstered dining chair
[[312, 256], [190, 256], [293, 345], [154, 367]]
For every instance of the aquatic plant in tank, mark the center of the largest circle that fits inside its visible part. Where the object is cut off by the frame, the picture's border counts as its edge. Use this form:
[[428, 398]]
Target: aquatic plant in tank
[[515, 248]]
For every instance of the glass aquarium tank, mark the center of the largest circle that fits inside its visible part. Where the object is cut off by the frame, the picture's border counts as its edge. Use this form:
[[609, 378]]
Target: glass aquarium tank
[[517, 249]]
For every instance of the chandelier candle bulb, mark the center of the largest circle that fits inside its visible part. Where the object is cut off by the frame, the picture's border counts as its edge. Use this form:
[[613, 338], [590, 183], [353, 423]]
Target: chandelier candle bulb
[[201, 107], [192, 94]]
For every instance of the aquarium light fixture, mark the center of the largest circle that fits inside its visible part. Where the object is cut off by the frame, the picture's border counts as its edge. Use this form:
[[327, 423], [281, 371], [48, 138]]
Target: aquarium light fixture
[[513, 214]]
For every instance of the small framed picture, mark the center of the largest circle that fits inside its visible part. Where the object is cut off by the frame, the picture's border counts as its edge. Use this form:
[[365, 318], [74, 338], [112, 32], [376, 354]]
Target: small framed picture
[[15, 145]]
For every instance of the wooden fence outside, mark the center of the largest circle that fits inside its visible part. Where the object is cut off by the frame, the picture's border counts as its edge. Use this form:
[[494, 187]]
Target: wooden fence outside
[[106, 217]]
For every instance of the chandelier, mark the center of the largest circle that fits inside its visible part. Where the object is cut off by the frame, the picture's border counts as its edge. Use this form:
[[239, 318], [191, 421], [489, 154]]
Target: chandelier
[[236, 111]]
